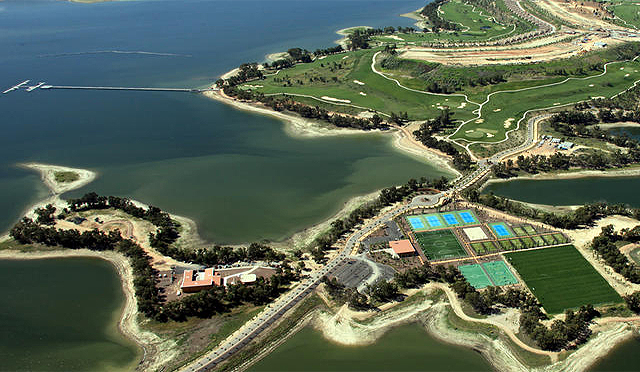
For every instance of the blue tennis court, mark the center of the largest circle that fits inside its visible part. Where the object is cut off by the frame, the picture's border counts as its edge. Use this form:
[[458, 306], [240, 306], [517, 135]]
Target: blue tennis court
[[501, 230], [434, 221], [450, 219], [416, 223], [467, 217]]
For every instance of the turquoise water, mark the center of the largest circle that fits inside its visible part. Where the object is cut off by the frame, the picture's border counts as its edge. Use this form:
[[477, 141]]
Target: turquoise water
[[182, 152], [61, 315]]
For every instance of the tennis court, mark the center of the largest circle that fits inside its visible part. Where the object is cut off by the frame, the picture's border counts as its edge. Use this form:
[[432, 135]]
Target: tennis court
[[450, 218], [475, 276], [499, 273], [501, 230], [467, 217], [415, 222], [433, 220], [440, 245]]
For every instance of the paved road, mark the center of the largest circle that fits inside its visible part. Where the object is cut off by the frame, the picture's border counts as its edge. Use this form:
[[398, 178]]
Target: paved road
[[275, 310]]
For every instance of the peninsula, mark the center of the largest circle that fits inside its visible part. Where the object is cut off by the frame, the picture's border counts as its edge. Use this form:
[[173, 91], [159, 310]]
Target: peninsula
[[490, 90]]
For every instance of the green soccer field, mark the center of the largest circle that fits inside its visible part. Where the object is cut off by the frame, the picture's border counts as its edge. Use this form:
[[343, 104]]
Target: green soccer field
[[440, 245], [561, 278]]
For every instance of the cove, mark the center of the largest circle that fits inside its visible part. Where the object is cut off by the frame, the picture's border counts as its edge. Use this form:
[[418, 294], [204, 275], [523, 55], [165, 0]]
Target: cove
[[61, 315], [404, 348]]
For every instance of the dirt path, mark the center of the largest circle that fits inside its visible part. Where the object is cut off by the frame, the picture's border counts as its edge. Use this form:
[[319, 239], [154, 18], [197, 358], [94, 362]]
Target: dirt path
[[457, 308]]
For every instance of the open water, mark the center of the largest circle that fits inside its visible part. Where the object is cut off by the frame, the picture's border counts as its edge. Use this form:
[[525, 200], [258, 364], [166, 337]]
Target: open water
[[239, 175]]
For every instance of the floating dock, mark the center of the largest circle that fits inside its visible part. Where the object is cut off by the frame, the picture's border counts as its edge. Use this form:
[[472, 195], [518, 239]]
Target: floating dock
[[16, 87]]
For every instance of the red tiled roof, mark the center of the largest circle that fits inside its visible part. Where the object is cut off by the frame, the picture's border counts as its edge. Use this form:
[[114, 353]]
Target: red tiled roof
[[402, 246]]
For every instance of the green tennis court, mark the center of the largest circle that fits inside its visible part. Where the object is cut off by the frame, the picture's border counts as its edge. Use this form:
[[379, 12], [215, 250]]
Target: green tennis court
[[475, 276], [499, 273]]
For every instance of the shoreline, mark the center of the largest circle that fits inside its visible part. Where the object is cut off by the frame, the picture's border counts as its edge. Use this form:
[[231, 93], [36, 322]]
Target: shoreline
[[347, 328], [629, 172], [154, 350], [298, 127]]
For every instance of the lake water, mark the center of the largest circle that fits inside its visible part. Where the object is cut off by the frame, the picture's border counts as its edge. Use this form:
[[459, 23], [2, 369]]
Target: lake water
[[182, 152], [61, 315], [405, 348], [571, 191]]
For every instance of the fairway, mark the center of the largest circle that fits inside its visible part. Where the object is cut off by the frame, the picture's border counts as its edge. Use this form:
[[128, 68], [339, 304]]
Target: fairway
[[440, 245], [561, 278]]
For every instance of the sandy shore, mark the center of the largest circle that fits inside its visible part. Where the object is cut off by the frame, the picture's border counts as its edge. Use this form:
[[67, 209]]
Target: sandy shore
[[47, 173], [346, 327], [156, 351], [298, 127]]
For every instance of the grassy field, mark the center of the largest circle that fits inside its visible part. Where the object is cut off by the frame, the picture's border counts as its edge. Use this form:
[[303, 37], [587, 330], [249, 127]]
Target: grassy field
[[504, 109], [440, 245], [476, 26], [629, 12], [348, 76], [561, 278]]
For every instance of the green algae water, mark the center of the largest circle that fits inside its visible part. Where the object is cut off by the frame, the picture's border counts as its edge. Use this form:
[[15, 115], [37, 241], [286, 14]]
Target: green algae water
[[404, 348], [623, 358], [61, 315], [575, 191]]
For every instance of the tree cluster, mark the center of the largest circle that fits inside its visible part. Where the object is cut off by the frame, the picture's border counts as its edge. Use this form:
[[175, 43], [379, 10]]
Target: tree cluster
[[167, 228], [461, 160], [583, 216], [605, 246], [217, 300], [438, 23], [562, 334], [341, 294]]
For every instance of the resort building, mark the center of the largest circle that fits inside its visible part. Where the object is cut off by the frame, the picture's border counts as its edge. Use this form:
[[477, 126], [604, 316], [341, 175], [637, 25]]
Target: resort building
[[402, 248], [198, 280]]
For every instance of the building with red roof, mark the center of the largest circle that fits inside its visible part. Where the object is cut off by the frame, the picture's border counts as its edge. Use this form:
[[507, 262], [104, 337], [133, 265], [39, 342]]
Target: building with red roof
[[402, 248]]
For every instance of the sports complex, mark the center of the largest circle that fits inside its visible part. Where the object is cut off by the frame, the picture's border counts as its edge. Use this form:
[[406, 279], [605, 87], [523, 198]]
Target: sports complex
[[491, 252]]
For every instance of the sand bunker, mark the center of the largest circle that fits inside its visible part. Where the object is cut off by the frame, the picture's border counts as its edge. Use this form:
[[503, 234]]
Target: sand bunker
[[497, 110], [394, 37], [507, 123], [253, 86], [462, 105], [469, 131], [626, 75], [479, 121], [489, 135], [327, 98], [358, 82], [590, 85], [323, 57], [363, 93]]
